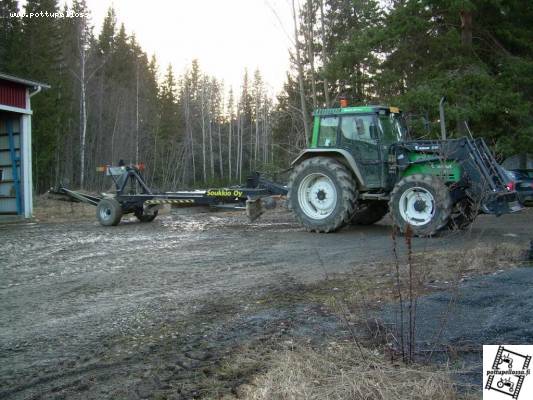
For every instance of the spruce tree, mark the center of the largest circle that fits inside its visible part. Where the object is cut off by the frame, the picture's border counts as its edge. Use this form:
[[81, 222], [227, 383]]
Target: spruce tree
[[168, 106], [41, 52], [10, 37]]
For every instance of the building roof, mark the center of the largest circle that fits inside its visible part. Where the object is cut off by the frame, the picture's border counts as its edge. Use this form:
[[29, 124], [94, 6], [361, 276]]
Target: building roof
[[26, 82]]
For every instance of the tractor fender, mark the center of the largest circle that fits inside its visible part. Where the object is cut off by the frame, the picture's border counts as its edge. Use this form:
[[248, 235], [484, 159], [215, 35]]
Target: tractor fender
[[340, 155]]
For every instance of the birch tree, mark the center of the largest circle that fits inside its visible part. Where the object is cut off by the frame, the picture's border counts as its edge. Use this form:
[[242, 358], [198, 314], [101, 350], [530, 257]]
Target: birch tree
[[229, 113], [299, 65]]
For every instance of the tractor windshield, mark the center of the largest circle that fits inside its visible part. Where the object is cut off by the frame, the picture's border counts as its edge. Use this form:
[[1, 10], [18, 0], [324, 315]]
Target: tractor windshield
[[393, 128]]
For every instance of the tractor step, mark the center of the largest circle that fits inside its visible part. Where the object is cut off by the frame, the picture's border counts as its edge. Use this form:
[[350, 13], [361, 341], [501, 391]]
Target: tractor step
[[374, 196]]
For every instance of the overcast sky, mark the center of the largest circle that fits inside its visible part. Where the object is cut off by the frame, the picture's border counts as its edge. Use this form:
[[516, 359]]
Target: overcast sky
[[224, 35]]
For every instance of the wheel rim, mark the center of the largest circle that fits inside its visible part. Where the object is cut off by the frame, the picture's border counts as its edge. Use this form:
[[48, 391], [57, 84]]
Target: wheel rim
[[417, 206], [317, 196], [105, 213]]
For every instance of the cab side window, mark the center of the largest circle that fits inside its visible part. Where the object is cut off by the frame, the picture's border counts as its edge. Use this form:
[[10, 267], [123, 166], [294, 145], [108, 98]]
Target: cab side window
[[358, 127], [328, 131]]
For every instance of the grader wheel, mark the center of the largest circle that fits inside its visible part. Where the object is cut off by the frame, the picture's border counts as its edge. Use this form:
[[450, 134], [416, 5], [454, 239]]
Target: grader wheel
[[109, 212]]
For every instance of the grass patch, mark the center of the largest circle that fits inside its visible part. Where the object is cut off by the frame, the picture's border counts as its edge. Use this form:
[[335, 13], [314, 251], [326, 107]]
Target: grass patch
[[341, 372], [48, 209]]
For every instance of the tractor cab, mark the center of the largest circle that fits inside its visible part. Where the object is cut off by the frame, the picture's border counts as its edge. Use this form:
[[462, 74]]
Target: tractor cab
[[366, 133], [335, 127]]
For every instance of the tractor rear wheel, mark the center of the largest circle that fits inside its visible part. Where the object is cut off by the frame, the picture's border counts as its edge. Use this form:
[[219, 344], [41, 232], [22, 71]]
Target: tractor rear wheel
[[369, 213], [421, 202], [109, 212], [322, 194]]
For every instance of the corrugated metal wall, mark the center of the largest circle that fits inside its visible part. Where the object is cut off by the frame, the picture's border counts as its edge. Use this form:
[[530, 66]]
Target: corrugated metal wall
[[12, 94], [8, 200]]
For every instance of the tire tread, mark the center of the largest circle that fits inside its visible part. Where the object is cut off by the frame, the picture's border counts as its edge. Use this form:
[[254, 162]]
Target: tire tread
[[442, 200], [348, 193]]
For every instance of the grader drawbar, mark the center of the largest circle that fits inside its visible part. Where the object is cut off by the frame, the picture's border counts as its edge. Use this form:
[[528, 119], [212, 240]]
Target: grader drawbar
[[131, 195]]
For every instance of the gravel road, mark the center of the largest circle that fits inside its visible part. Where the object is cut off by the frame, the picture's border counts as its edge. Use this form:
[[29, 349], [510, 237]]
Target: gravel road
[[149, 310]]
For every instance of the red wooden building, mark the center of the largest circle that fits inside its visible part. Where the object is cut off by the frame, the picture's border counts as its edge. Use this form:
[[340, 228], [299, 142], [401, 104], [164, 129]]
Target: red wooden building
[[15, 144]]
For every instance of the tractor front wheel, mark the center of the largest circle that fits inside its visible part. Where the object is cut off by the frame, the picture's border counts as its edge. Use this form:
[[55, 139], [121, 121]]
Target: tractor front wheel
[[369, 213], [421, 202], [322, 194]]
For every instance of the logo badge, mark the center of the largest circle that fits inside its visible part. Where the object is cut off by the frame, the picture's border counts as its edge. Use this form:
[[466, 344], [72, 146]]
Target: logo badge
[[506, 372]]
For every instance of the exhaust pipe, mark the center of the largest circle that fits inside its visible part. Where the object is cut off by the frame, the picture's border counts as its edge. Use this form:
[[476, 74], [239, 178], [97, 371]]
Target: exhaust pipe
[[442, 118]]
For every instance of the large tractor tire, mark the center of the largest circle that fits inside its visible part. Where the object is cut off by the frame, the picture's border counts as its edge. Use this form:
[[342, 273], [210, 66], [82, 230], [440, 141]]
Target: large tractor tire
[[109, 212], [322, 194], [421, 202], [369, 213]]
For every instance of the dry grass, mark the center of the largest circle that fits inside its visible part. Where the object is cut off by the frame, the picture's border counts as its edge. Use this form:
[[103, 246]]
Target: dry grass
[[444, 268], [480, 259], [47, 209], [440, 269], [340, 373], [52, 208]]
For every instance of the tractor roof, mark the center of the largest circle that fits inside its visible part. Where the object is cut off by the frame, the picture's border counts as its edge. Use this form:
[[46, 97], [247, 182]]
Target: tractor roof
[[355, 110]]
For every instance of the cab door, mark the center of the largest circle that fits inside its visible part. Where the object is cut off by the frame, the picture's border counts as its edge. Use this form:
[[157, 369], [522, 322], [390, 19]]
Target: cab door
[[359, 135]]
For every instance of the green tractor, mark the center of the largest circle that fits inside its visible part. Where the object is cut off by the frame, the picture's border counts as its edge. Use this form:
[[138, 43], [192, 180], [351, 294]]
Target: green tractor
[[361, 164]]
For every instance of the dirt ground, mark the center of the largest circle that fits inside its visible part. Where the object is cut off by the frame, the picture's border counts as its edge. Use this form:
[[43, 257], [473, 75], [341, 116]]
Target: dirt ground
[[189, 306]]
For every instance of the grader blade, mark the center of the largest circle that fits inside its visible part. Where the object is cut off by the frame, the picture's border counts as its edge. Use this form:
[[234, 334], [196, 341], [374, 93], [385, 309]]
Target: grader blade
[[254, 209]]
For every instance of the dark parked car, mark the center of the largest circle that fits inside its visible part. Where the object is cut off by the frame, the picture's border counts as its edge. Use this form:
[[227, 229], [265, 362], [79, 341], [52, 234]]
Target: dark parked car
[[526, 172], [523, 183]]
